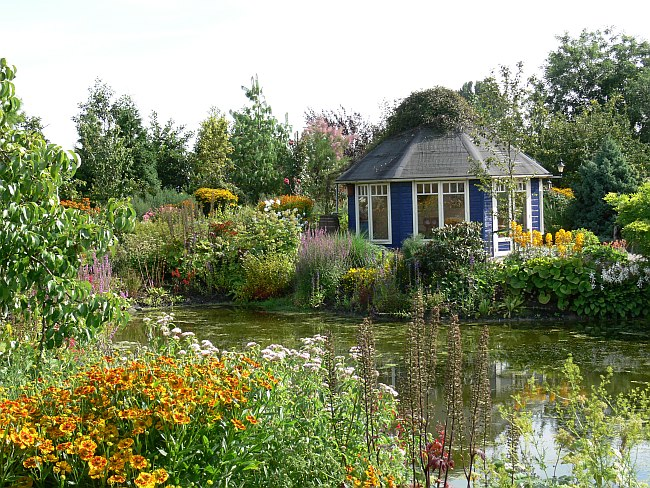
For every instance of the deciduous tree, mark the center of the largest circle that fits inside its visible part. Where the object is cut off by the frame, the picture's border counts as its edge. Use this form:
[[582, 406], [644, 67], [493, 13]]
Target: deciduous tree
[[41, 242]]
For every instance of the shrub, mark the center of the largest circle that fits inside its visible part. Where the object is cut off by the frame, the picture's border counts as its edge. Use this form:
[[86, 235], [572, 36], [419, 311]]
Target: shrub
[[449, 247], [215, 198], [556, 209], [324, 258], [301, 204], [163, 196], [266, 276]]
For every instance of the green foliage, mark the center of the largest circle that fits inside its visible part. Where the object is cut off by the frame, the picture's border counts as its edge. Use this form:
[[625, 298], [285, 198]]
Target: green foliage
[[260, 147], [164, 196], [322, 261], [320, 153], [115, 156], [439, 108], [41, 242], [608, 172], [266, 276], [168, 144], [595, 66], [212, 150], [556, 211], [215, 198], [574, 140], [599, 282], [598, 436], [448, 248], [634, 216]]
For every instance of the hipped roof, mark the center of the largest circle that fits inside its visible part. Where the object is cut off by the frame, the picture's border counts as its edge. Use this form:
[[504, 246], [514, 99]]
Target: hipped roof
[[422, 153]]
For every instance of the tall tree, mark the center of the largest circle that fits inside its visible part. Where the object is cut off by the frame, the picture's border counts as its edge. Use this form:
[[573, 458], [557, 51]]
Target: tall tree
[[321, 150], [608, 172], [260, 147], [115, 158], [359, 131], [212, 150], [595, 66], [168, 144]]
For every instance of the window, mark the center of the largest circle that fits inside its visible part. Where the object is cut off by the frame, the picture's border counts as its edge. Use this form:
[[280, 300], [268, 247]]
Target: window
[[373, 211], [427, 208], [511, 205], [438, 204], [453, 203]]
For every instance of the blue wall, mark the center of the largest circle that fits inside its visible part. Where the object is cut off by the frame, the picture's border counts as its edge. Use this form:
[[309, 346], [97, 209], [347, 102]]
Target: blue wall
[[401, 208], [480, 210], [352, 212], [534, 204]]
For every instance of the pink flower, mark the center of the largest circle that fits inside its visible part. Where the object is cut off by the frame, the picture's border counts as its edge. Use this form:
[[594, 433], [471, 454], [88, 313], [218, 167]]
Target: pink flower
[[286, 181]]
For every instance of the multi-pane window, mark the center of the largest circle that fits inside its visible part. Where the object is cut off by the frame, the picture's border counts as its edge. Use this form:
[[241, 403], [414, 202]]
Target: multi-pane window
[[373, 211], [511, 205], [439, 204], [453, 203], [427, 208]]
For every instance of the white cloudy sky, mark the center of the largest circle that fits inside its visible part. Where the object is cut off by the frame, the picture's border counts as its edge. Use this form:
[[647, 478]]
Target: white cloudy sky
[[182, 57]]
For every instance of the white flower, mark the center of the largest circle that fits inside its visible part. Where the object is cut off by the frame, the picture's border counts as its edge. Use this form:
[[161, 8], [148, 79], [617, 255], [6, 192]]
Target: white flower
[[176, 330], [182, 352], [187, 334], [249, 345], [388, 389]]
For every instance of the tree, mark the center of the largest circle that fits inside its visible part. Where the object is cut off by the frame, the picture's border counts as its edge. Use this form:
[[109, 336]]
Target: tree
[[41, 242], [608, 172], [359, 131], [595, 66], [115, 157], [554, 137], [260, 147], [168, 144], [321, 150], [212, 150], [634, 216], [599, 66], [439, 108], [500, 105]]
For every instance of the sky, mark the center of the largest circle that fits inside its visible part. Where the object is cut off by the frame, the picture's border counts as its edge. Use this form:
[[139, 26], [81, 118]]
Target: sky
[[179, 58]]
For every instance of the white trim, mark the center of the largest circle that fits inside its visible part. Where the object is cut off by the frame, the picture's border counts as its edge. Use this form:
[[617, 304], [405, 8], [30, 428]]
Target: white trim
[[496, 239], [369, 197], [541, 206], [440, 196]]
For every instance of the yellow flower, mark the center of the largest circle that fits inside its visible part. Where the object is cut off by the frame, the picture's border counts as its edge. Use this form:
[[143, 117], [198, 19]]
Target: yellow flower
[[139, 462], [238, 424], [160, 475], [145, 480], [32, 462]]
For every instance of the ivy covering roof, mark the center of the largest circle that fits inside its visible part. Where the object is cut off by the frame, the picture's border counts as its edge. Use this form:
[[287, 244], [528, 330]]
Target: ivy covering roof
[[424, 153]]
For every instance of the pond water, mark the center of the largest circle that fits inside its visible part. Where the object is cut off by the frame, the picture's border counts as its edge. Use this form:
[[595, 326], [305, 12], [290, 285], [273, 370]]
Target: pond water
[[517, 350]]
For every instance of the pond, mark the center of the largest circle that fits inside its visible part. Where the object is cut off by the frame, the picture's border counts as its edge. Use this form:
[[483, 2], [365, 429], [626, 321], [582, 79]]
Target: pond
[[518, 350]]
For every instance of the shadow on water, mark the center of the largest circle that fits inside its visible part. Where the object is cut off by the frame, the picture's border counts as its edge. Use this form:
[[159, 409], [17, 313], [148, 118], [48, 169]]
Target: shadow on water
[[517, 350]]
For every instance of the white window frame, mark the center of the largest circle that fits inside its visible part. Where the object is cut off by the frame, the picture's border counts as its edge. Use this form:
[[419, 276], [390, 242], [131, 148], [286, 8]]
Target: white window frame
[[495, 217], [440, 183], [369, 187]]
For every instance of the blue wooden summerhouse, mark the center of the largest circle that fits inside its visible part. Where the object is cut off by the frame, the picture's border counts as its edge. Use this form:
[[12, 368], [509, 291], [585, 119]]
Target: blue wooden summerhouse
[[419, 180]]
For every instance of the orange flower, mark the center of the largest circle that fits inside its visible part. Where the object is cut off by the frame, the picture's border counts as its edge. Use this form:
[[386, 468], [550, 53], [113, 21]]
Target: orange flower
[[238, 424], [116, 478], [139, 462], [98, 462], [145, 480], [125, 443], [251, 419], [32, 462], [160, 475], [62, 467], [181, 418]]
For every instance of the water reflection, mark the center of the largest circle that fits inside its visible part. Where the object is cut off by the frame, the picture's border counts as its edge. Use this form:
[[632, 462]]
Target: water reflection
[[518, 351]]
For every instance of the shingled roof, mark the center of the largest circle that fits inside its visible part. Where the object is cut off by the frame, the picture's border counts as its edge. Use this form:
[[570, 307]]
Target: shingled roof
[[424, 154]]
